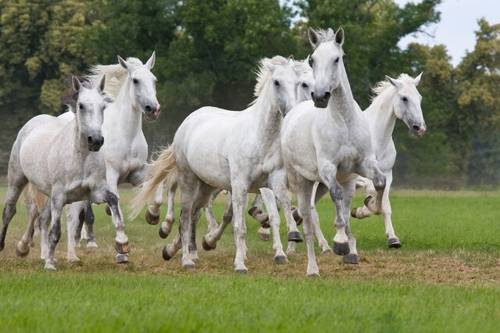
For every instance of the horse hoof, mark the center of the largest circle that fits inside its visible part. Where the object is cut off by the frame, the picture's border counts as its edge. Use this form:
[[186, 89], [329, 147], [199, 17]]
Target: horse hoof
[[294, 236], [280, 260], [20, 252], [296, 216], [164, 253], [121, 258], [367, 200], [121, 248], [393, 243], [351, 258], [313, 274], [49, 266], [161, 233], [340, 249], [206, 246], [73, 259], [241, 270], [189, 264], [354, 212], [326, 252], [151, 218], [2, 245], [92, 245], [264, 234], [108, 210]]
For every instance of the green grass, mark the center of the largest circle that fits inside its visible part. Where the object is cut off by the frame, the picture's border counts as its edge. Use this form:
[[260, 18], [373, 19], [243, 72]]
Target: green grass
[[446, 278]]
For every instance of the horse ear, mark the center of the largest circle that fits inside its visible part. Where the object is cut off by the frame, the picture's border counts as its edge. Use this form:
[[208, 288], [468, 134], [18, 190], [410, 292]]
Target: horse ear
[[268, 64], [394, 82], [417, 79], [76, 83], [122, 62], [102, 84], [313, 37], [151, 61], [339, 36]]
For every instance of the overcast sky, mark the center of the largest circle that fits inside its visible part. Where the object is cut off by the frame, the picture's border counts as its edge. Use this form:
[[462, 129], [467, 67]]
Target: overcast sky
[[457, 25]]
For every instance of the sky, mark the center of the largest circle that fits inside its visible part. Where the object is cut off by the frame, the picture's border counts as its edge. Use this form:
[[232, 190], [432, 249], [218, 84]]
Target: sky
[[457, 25]]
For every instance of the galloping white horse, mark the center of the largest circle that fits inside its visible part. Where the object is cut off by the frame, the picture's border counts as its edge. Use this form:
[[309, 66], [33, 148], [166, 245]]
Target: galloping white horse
[[394, 99], [329, 146], [57, 159], [238, 151], [125, 149], [152, 214]]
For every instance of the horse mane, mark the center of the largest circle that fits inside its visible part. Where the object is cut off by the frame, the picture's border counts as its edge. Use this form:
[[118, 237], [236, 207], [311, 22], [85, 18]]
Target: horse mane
[[115, 75], [301, 67], [383, 85], [264, 72], [325, 35]]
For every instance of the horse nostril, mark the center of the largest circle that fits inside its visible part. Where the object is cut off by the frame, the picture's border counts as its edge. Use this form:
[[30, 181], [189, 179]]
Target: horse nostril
[[148, 108], [89, 139], [416, 127]]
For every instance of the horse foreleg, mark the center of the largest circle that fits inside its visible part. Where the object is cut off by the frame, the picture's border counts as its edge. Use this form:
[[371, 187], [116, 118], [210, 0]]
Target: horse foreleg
[[392, 240], [274, 217]]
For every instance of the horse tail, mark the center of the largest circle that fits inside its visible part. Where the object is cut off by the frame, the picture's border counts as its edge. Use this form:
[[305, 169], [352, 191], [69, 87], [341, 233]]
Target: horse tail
[[33, 196], [164, 167]]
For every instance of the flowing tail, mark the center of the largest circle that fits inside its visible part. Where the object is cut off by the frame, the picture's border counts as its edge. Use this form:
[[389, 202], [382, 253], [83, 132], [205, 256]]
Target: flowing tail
[[164, 167]]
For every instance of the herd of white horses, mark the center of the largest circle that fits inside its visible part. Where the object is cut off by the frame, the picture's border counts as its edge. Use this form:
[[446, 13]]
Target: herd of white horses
[[304, 135]]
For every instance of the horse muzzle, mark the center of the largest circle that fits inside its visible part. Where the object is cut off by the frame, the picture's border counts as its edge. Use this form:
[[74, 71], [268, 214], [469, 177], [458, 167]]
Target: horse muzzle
[[321, 101], [95, 142], [152, 113]]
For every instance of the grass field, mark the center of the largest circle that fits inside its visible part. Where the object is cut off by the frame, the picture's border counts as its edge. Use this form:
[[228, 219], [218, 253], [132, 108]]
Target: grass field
[[446, 278]]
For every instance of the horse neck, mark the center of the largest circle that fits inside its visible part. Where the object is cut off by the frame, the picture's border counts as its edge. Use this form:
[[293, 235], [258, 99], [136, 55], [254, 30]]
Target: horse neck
[[269, 118], [381, 118], [128, 117], [342, 102]]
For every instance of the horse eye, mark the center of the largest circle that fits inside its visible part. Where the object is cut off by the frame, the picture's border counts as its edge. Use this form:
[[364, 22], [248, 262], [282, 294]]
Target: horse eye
[[337, 60], [311, 61], [304, 85], [135, 81], [276, 83], [404, 99], [81, 106]]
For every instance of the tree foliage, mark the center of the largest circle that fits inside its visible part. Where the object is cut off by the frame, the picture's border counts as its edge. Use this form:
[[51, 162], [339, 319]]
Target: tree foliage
[[207, 52]]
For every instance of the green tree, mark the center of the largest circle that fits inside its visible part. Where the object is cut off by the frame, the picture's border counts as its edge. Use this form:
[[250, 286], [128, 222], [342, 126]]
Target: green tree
[[218, 45], [373, 29], [478, 77]]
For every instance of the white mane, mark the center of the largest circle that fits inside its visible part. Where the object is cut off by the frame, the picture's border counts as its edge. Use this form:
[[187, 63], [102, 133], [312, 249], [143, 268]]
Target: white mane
[[115, 75], [382, 86], [265, 70], [325, 35]]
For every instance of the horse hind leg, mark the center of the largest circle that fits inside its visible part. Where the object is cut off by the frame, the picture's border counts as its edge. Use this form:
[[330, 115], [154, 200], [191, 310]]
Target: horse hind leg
[[166, 225], [89, 219], [152, 214], [23, 246], [16, 186]]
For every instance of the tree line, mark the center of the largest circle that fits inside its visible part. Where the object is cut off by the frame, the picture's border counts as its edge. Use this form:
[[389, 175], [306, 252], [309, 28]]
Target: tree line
[[207, 53]]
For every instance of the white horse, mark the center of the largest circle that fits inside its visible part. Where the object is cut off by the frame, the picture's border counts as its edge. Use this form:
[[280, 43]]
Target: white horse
[[152, 214], [57, 159], [238, 151], [329, 146], [394, 99], [125, 150]]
